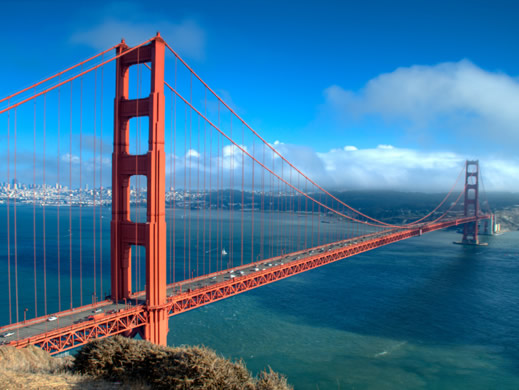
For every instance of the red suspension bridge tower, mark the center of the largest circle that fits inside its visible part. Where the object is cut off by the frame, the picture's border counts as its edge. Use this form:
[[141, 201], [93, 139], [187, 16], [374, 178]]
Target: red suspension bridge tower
[[471, 202], [151, 234]]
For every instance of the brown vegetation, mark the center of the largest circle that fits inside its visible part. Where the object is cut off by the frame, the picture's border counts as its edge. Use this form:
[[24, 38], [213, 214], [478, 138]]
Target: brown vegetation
[[120, 359], [121, 363]]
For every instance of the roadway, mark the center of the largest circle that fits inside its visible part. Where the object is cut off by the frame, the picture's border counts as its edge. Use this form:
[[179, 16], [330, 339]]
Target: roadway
[[84, 314]]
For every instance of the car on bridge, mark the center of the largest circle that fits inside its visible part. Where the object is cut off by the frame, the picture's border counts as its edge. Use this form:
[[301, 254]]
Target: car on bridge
[[52, 318], [95, 317], [8, 334]]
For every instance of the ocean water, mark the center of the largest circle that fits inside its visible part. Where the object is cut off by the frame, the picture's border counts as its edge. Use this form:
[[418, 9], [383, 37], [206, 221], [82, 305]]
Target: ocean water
[[419, 314]]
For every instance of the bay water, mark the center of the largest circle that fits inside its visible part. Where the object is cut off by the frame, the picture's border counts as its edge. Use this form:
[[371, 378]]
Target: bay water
[[418, 314]]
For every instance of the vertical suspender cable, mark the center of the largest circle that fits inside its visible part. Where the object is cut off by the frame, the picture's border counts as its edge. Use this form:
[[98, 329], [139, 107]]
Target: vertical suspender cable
[[296, 221], [173, 245], [271, 208], [81, 195], [299, 229], [336, 232], [217, 201], [220, 184], [319, 221], [101, 187], [15, 224], [185, 188], [286, 210], [262, 231], [348, 228], [94, 215], [281, 194], [222, 198], [59, 200], [306, 212], [312, 231], [198, 198], [35, 274], [242, 189], [190, 171], [204, 187], [290, 213], [172, 207], [252, 207], [280, 209], [231, 176], [43, 208], [8, 217], [70, 201], [210, 192]]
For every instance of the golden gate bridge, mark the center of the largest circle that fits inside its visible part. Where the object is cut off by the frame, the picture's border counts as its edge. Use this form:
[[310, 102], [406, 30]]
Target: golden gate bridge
[[202, 207]]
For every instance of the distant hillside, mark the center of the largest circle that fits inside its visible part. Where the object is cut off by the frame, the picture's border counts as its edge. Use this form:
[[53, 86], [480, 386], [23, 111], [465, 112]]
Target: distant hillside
[[418, 200], [395, 206]]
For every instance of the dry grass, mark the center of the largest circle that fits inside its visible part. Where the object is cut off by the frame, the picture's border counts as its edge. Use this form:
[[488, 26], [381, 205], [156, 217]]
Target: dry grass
[[120, 363], [270, 380], [32, 368], [32, 360]]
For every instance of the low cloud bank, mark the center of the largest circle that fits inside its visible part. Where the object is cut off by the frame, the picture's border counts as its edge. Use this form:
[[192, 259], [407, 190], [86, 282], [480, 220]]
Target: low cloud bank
[[389, 167]]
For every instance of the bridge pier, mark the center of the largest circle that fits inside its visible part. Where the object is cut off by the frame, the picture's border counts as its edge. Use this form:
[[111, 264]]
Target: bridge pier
[[151, 234], [491, 226], [156, 330]]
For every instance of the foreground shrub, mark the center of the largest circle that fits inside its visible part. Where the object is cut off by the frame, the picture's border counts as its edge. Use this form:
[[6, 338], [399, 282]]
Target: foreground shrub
[[126, 360]]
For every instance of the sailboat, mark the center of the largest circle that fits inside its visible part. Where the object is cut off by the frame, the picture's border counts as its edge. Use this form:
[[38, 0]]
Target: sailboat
[[224, 252]]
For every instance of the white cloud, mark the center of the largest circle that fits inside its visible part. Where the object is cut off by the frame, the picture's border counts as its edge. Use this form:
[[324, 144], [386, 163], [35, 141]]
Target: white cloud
[[233, 150], [192, 153], [458, 97], [186, 37], [70, 158]]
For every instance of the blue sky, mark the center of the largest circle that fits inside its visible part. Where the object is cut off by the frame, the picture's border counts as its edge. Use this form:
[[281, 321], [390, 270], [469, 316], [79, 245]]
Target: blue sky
[[399, 92]]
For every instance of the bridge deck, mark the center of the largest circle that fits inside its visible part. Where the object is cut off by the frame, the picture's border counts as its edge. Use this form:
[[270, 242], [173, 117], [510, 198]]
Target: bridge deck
[[76, 327]]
